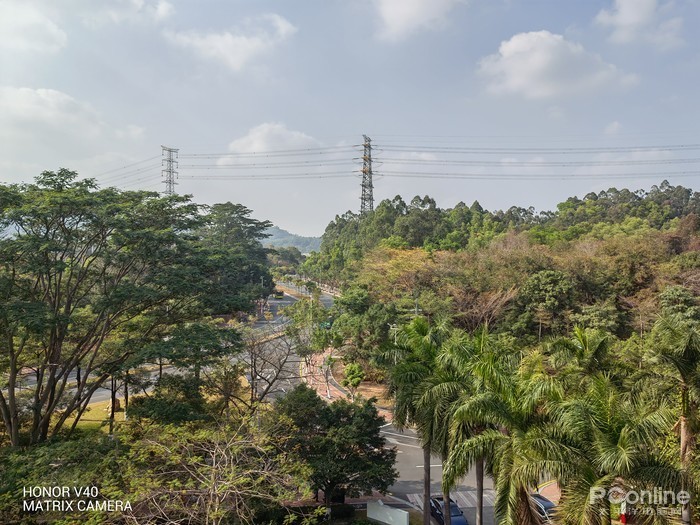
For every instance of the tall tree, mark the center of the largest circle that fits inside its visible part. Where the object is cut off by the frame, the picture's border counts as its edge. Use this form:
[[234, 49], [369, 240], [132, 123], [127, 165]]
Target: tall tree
[[518, 440], [78, 264], [677, 351], [616, 436], [236, 262], [418, 345], [466, 366], [341, 442]]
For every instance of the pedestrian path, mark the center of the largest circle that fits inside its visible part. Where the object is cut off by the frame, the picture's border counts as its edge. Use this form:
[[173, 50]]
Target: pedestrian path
[[464, 498]]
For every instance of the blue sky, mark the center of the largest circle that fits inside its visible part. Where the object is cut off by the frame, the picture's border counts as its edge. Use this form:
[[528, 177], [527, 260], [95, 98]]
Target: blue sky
[[99, 86]]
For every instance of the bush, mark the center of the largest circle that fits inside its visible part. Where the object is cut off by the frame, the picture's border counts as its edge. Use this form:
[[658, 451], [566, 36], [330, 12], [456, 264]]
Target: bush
[[342, 510]]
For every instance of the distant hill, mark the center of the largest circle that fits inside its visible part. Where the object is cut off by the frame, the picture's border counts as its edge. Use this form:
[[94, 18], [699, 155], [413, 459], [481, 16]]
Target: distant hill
[[280, 238]]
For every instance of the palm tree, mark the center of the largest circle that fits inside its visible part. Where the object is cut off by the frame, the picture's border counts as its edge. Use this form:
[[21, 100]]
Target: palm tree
[[464, 364], [677, 351], [615, 435], [578, 357], [417, 348], [518, 438]]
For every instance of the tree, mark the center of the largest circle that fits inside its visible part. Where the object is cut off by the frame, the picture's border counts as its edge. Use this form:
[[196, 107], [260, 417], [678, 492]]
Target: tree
[[236, 262], [211, 476], [175, 399], [518, 440], [341, 442], [579, 357], [77, 266], [466, 366], [268, 358], [418, 345], [616, 438], [545, 298], [677, 351], [354, 375]]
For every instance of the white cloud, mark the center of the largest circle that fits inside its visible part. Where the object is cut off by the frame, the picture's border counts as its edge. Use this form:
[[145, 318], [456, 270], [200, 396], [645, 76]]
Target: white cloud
[[132, 11], [66, 128], [401, 18], [613, 128], [269, 136], [236, 48], [640, 20], [556, 112], [540, 65], [26, 109], [130, 132], [23, 27]]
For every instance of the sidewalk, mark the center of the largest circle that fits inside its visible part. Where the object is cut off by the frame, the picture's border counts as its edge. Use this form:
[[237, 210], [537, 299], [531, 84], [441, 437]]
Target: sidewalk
[[330, 390]]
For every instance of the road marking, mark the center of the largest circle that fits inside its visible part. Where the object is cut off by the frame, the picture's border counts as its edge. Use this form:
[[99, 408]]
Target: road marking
[[394, 442], [399, 435], [466, 499]]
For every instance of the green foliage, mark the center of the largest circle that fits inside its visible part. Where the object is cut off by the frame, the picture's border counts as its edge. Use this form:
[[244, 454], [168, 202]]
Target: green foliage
[[545, 299], [395, 224], [281, 239], [89, 277], [219, 474], [353, 376], [678, 300], [341, 442], [236, 262], [175, 399], [105, 280]]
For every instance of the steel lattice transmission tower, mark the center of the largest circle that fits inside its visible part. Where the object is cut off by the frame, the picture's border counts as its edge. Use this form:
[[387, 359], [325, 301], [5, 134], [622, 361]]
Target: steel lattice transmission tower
[[169, 171], [367, 200]]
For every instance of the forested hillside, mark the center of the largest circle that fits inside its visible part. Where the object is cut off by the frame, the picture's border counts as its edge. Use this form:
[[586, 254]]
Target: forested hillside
[[560, 345], [422, 224], [279, 238], [601, 261]]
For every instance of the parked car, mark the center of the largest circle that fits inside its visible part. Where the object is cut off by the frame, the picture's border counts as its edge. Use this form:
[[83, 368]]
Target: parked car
[[545, 508], [437, 511]]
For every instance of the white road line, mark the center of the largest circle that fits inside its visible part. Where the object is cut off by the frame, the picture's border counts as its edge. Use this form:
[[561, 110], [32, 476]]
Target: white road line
[[398, 443], [399, 435], [464, 498]]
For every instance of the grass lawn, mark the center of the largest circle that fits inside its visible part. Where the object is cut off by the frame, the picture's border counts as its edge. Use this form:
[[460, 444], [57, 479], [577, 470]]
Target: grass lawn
[[96, 416]]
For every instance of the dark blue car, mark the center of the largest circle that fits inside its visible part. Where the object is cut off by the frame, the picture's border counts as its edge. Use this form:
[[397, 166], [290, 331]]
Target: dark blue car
[[437, 511], [545, 508]]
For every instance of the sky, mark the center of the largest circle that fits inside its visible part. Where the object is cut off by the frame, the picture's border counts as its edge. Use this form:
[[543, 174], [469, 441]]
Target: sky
[[502, 101]]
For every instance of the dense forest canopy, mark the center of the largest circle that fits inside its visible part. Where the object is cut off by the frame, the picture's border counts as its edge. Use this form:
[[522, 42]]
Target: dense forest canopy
[[422, 224], [557, 345], [279, 238], [561, 345]]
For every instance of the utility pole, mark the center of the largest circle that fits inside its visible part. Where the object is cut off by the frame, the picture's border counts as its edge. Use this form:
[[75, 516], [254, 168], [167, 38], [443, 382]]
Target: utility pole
[[169, 171], [367, 201]]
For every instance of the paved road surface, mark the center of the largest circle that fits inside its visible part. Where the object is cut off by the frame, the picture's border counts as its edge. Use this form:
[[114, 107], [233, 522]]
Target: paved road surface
[[409, 487]]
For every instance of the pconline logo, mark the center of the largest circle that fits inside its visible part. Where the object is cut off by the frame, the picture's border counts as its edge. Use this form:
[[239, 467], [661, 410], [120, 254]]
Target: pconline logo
[[655, 496]]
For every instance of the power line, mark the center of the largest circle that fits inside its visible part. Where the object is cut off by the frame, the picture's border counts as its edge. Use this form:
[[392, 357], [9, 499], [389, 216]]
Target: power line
[[277, 165], [275, 153], [128, 174], [548, 151], [525, 164], [313, 175], [569, 176], [127, 166]]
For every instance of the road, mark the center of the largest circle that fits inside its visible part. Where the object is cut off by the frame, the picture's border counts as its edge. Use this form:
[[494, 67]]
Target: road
[[409, 462], [409, 487]]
